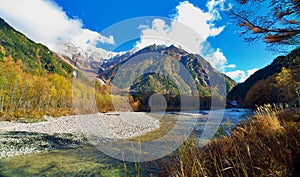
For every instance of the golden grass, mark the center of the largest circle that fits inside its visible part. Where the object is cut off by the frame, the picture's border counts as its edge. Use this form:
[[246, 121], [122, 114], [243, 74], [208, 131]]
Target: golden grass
[[264, 146], [266, 119], [167, 122]]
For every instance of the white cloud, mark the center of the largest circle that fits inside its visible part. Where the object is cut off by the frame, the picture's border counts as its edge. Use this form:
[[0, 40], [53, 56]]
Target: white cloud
[[45, 22], [158, 33], [86, 36], [252, 71], [189, 28], [237, 75], [231, 66], [199, 20], [241, 76], [217, 59]]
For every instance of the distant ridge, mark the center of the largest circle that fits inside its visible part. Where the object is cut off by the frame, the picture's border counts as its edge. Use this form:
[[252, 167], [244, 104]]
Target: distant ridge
[[240, 91]]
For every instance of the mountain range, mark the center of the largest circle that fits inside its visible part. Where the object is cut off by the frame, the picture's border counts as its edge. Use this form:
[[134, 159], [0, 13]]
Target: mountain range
[[38, 59], [86, 57], [38, 56]]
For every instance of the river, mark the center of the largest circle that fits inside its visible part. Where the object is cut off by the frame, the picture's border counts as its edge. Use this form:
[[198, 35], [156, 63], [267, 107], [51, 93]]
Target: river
[[87, 160]]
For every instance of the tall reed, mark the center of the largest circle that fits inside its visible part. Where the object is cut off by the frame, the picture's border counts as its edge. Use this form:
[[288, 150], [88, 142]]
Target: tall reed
[[263, 146]]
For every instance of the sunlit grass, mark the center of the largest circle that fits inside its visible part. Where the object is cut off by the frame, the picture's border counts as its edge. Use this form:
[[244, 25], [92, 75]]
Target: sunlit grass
[[167, 122], [266, 145]]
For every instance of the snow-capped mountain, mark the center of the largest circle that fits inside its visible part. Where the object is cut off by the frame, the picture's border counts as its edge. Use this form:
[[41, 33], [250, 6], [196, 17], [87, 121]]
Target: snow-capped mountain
[[88, 56]]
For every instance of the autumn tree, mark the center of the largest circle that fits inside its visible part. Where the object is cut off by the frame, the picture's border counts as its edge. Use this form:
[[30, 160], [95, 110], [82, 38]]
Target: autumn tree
[[283, 87], [284, 83], [27, 95], [262, 92], [296, 77], [288, 84], [273, 21]]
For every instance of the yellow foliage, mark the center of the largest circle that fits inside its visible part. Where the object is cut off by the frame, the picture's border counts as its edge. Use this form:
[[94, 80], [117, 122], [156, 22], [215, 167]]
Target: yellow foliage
[[25, 95], [284, 77], [28, 95], [83, 98], [2, 50], [136, 105], [279, 88]]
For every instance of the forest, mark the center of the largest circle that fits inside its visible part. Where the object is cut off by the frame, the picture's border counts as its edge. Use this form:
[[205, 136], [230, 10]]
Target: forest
[[30, 96]]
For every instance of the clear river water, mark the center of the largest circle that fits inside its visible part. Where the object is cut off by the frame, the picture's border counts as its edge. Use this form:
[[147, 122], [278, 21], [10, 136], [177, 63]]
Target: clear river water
[[89, 161]]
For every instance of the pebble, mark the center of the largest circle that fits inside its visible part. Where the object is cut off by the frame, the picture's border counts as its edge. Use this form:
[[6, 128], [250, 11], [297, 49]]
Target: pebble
[[71, 131]]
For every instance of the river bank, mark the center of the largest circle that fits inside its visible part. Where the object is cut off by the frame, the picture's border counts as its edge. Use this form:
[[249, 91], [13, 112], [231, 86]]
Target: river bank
[[267, 144], [69, 132]]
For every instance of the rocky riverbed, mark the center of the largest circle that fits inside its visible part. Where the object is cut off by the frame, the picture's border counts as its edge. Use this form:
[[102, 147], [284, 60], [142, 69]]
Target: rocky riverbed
[[71, 131]]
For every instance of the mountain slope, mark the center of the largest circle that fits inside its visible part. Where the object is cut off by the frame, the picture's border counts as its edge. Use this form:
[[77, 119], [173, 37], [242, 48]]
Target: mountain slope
[[147, 76], [33, 80], [36, 58], [239, 92]]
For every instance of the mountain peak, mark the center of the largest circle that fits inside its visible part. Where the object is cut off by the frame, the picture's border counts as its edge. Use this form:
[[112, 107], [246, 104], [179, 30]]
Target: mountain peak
[[199, 68], [86, 56]]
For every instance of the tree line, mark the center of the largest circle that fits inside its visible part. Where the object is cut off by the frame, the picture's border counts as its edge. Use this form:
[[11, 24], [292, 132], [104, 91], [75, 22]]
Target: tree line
[[32, 95], [283, 87]]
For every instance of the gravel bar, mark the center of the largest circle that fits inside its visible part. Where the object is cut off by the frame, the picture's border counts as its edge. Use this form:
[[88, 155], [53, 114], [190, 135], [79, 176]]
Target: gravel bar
[[71, 131]]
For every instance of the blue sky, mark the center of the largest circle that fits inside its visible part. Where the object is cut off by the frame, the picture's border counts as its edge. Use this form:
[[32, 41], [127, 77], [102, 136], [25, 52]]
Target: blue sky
[[62, 20]]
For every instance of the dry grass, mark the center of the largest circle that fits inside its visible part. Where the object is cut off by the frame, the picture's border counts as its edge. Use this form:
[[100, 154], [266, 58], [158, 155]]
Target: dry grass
[[266, 119], [265, 146], [167, 122]]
